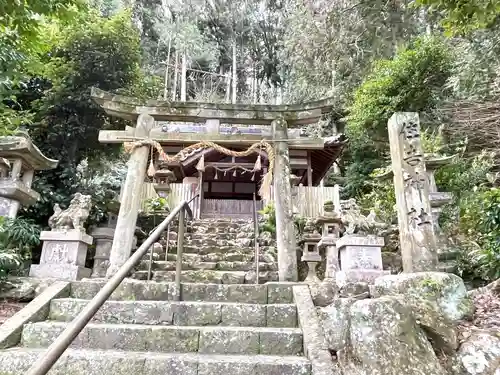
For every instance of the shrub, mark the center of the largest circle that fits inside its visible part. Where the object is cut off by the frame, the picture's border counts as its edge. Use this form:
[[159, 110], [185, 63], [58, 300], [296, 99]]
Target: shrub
[[17, 239]]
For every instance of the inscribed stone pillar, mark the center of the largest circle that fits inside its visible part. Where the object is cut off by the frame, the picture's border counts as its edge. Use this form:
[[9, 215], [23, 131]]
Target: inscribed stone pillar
[[131, 199], [411, 184], [285, 229]]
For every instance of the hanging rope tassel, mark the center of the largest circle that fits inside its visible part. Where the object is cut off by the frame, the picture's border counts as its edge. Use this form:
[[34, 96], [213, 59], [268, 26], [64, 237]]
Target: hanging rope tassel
[[201, 164], [151, 169], [253, 177], [234, 173], [258, 164], [216, 175]]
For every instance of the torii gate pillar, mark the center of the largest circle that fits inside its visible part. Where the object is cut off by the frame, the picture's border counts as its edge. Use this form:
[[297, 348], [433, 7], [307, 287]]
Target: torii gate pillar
[[285, 228], [131, 198]]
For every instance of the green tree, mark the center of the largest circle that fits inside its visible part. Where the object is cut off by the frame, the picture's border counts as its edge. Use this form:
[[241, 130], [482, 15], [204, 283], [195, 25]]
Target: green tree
[[462, 17], [21, 42], [412, 81], [100, 52]]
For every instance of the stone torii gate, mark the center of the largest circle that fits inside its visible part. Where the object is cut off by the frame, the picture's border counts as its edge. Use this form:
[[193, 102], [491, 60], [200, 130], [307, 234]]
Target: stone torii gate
[[145, 113]]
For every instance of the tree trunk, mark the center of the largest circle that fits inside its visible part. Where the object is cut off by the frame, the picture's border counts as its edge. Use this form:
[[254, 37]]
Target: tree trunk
[[228, 87], [174, 89], [165, 90], [183, 77], [235, 74]]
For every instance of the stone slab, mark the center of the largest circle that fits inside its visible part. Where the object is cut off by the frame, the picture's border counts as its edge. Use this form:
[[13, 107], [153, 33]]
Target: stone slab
[[66, 236], [185, 339], [128, 290], [246, 315], [60, 271], [360, 241], [179, 313], [95, 362], [37, 310], [119, 312], [359, 275], [281, 315], [280, 292], [315, 344]]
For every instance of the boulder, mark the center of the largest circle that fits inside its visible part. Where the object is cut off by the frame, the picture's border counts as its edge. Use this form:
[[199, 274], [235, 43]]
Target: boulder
[[323, 292], [478, 355], [385, 339], [354, 289], [446, 290], [335, 321], [441, 332], [23, 289], [17, 291]]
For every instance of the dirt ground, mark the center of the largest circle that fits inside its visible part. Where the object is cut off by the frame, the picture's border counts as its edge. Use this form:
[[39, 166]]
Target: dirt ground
[[7, 309]]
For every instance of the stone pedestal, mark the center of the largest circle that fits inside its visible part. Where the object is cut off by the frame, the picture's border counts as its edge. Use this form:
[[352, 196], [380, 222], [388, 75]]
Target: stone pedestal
[[103, 241], [360, 259], [63, 255]]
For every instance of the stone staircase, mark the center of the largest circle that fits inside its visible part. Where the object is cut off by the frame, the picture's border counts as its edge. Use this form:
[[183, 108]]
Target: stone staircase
[[217, 251], [215, 329]]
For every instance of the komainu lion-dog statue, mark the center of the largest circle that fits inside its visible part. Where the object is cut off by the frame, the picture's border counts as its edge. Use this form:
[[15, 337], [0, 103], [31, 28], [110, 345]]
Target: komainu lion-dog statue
[[74, 217]]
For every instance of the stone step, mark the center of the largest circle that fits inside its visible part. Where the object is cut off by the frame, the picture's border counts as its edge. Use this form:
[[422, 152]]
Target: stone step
[[449, 266], [17, 361], [218, 242], [218, 236], [208, 276], [204, 250], [180, 313], [218, 257], [221, 228], [266, 255], [137, 290], [171, 339], [159, 265]]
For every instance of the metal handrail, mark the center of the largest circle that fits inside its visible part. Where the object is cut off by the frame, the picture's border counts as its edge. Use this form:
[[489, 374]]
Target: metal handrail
[[150, 265], [44, 363], [256, 239]]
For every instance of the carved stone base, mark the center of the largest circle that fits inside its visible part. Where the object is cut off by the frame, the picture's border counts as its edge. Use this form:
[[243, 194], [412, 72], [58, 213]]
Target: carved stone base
[[359, 275], [60, 271], [360, 259], [63, 255]]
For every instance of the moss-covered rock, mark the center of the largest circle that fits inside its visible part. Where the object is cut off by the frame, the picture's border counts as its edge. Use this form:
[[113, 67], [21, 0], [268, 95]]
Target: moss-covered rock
[[386, 339], [446, 290]]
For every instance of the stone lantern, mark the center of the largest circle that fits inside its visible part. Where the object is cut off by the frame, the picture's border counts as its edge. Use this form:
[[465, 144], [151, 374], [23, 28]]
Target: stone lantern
[[332, 227], [163, 177], [19, 159], [310, 254]]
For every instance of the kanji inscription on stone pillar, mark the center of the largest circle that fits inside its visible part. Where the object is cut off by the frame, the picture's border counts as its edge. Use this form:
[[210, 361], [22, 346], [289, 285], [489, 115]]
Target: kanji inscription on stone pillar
[[411, 184]]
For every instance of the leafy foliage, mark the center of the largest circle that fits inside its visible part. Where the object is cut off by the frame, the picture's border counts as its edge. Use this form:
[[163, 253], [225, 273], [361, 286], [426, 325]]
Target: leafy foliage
[[480, 222], [17, 239], [462, 17], [269, 214], [103, 183], [100, 52], [158, 204], [412, 81]]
